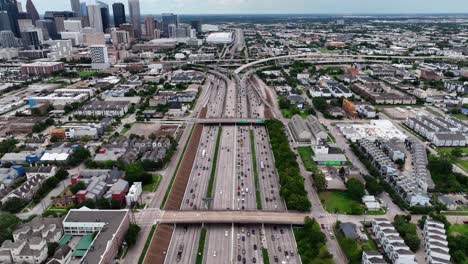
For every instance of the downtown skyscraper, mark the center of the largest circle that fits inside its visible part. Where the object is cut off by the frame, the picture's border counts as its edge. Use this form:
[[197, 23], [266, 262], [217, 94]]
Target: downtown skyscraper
[[135, 18], [11, 7], [119, 14], [32, 11]]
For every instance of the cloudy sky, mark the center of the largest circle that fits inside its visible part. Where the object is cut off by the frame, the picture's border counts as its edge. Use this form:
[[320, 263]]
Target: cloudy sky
[[279, 6]]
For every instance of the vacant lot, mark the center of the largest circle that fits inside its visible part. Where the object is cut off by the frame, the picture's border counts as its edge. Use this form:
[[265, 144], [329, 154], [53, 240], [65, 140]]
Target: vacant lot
[[339, 202], [306, 157]]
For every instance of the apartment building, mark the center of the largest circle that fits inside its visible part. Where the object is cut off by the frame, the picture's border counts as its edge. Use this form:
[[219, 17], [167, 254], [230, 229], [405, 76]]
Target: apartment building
[[394, 246], [435, 243]]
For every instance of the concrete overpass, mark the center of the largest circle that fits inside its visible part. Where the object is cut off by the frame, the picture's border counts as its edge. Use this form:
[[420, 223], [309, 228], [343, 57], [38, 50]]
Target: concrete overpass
[[153, 216], [233, 121], [354, 58]]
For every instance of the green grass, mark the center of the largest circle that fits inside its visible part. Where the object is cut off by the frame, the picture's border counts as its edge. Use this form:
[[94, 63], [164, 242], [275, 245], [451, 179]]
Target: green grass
[[147, 244], [455, 213], [306, 157], [86, 74], [338, 202], [461, 229], [254, 167], [447, 151], [209, 191], [151, 187], [286, 113], [380, 212], [266, 259], [201, 246], [175, 172], [460, 117]]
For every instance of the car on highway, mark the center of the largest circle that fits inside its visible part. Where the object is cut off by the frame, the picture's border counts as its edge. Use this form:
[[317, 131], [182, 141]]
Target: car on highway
[[255, 246], [239, 258]]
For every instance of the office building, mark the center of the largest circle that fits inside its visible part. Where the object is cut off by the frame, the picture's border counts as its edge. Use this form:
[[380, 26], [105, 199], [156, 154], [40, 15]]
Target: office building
[[120, 37], [172, 31], [32, 38], [99, 57], [134, 8], [96, 38], [72, 25], [25, 24], [32, 11], [20, 6], [150, 26], [49, 30], [59, 49], [42, 68], [75, 7], [129, 28], [11, 8], [105, 228], [95, 17], [157, 34], [119, 14], [105, 17], [4, 21], [169, 19], [8, 39], [196, 24], [75, 37]]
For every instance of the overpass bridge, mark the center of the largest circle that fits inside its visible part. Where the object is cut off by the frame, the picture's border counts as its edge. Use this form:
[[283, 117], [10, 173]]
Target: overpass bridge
[[229, 121], [153, 216]]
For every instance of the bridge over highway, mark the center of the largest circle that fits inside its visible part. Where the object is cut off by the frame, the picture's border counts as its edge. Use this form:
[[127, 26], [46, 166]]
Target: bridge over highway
[[227, 121], [155, 216]]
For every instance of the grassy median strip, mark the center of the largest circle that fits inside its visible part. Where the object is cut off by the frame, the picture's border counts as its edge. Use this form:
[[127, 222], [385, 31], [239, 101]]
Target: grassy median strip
[[177, 169], [255, 171], [209, 192], [266, 259], [147, 244], [201, 246]]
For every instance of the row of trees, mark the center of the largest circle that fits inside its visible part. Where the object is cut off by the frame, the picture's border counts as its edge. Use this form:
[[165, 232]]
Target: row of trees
[[311, 243], [292, 183], [407, 231]]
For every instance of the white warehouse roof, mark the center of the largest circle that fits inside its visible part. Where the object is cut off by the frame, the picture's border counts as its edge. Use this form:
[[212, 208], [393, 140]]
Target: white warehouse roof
[[219, 38]]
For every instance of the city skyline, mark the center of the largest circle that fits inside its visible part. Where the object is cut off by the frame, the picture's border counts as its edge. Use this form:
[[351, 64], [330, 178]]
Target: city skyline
[[277, 7]]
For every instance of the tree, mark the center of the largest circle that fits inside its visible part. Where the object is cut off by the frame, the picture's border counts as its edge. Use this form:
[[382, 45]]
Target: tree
[[8, 223], [400, 163], [320, 182], [342, 172], [61, 174], [355, 189], [457, 152], [373, 186], [80, 185], [136, 173], [132, 234], [13, 205], [412, 241], [320, 104], [78, 156], [51, 248]]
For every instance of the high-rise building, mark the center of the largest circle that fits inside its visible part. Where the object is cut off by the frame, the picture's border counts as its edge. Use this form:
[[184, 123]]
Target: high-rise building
[[94, 16], [196, 24], [25, 24], [129, 28], [105, 17], [172, 31], [73, 25], [120, 37], [49, 30], [157, 34], [20, 6], [134, 8], [99, 57], [32, 38], [149, 26], [59, 22], [4, 21], [32, 11], [75, 7], [11, 8], [119, 14], [8, 39], [168, 19]]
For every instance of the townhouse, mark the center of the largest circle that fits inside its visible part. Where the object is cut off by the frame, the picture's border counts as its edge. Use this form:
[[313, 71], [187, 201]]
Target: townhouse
[[435, 243]]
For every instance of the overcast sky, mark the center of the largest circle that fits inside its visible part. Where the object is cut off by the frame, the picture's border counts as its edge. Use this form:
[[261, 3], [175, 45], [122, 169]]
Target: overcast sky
[[279, 6]]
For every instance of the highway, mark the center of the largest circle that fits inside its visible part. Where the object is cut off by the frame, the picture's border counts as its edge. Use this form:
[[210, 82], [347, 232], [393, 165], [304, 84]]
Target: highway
[[184, 242]]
